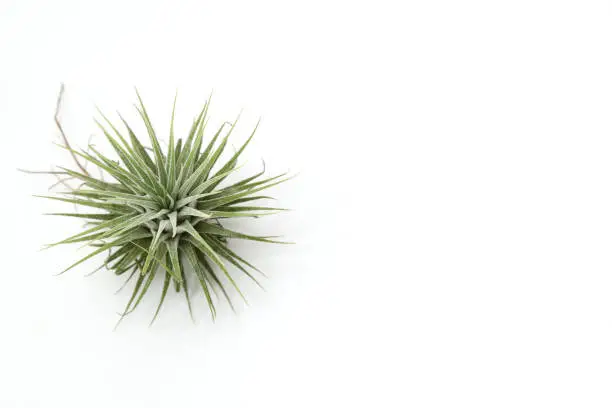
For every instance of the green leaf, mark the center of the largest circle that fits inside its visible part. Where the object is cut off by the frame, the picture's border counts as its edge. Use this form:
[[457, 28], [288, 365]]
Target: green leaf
[[190, 182], [163, 296], [188, 200], [150, 277], [234, 214], [104, 248], [159, 157], [153, 247], [177, 153], [212, 203], [118, 198], [129, 278], [217, 281], [134, 222], [91, 216], [192, 212], [247, 199], [137, 147], [134, 293], [228, 256], [89, 203], [208, 228], [106, 224], [197, 240], [231, 163], [172, 246], [231, 253], [173, 220], [197, 124], [192, 258], [186, 290], [171, 162], [242, 208]]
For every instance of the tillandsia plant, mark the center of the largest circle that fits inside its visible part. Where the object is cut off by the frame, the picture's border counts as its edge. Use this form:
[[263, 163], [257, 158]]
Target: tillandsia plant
[[162, 211]]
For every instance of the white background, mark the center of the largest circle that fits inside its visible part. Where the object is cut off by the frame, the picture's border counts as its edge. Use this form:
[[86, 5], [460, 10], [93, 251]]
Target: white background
[[453, 209]]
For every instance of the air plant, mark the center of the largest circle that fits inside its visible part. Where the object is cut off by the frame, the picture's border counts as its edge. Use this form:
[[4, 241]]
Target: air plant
[[162, 210]]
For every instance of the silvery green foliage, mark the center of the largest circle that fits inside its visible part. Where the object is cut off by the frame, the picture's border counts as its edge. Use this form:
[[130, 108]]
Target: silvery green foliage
[[162, 212]]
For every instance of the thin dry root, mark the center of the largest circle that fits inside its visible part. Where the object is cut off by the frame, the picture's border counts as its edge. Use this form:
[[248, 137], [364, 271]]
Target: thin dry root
[[64, 138]]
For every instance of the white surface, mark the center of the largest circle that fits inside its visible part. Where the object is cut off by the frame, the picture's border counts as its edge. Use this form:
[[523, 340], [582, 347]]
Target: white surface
[[453, 209]]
